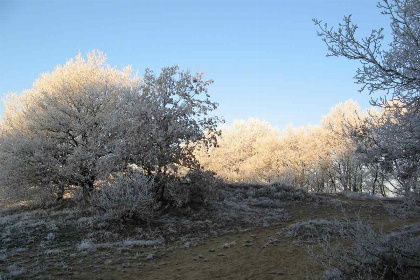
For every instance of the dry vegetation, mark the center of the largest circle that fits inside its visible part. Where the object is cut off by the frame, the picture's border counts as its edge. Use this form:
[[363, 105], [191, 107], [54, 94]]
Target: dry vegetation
[[248, 232]]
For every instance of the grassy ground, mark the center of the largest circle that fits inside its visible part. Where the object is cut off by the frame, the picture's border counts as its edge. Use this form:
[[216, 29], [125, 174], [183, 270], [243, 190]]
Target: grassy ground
[[239, 238]]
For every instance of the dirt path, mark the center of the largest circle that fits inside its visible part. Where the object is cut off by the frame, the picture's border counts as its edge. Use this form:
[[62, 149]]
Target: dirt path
[[249, 256], [246, 255]]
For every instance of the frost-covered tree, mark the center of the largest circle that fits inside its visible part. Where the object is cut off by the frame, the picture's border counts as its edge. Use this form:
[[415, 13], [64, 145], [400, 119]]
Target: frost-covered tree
[[395, 70], [176, 118], [166, 119], [316, 158], [388, 144], [298, 154], [254, 151], [393, 139], [306, 153], [245, 152], [86, 120], [320, 175], [62, 131], [345, 170]]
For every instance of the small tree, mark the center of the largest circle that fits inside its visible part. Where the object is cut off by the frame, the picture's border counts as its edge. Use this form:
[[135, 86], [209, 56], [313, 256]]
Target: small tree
[[166, 119]]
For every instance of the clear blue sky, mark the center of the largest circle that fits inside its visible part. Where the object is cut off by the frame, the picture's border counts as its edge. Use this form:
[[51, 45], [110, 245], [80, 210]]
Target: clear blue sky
[[264, 56]]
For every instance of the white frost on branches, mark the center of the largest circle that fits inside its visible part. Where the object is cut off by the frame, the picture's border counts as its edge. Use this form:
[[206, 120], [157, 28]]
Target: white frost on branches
[[86, 120]]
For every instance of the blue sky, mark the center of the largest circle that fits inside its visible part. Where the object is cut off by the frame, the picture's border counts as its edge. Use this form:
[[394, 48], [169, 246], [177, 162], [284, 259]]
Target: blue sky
[[264, 56]]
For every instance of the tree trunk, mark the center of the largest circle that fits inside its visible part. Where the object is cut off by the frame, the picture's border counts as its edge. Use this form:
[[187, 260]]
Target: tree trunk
[[374, 182], [88, 189], [60, 192]]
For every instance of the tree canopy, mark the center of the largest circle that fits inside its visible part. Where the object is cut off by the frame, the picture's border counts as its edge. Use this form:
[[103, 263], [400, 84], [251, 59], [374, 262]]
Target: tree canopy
[[86, 120]]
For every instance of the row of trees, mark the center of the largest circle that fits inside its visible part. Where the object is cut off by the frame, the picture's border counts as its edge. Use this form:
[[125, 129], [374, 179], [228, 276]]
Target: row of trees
[[87, 120], [316, 158]]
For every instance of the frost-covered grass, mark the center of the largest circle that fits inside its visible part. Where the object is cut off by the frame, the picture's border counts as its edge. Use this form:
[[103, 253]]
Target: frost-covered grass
[[67, 239], [15, 270], [88, 245], [50, 236], [53, 252], [368, 254], [254, 205], [18, 251], [85, 221], [276, 191], [409, 207], [3, 256], [35, 219], [21, 217], [28, 232], [314, 229], [228, 244], [362, 196], [143, 243]]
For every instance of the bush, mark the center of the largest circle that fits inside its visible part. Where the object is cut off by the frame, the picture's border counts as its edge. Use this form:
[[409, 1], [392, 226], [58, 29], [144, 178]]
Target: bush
[[369, 255], [196, 189], [128, 196]]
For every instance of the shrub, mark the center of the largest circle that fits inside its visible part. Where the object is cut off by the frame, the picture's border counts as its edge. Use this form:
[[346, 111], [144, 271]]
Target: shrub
[[196, 189], [127, 196], [370, 255]]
